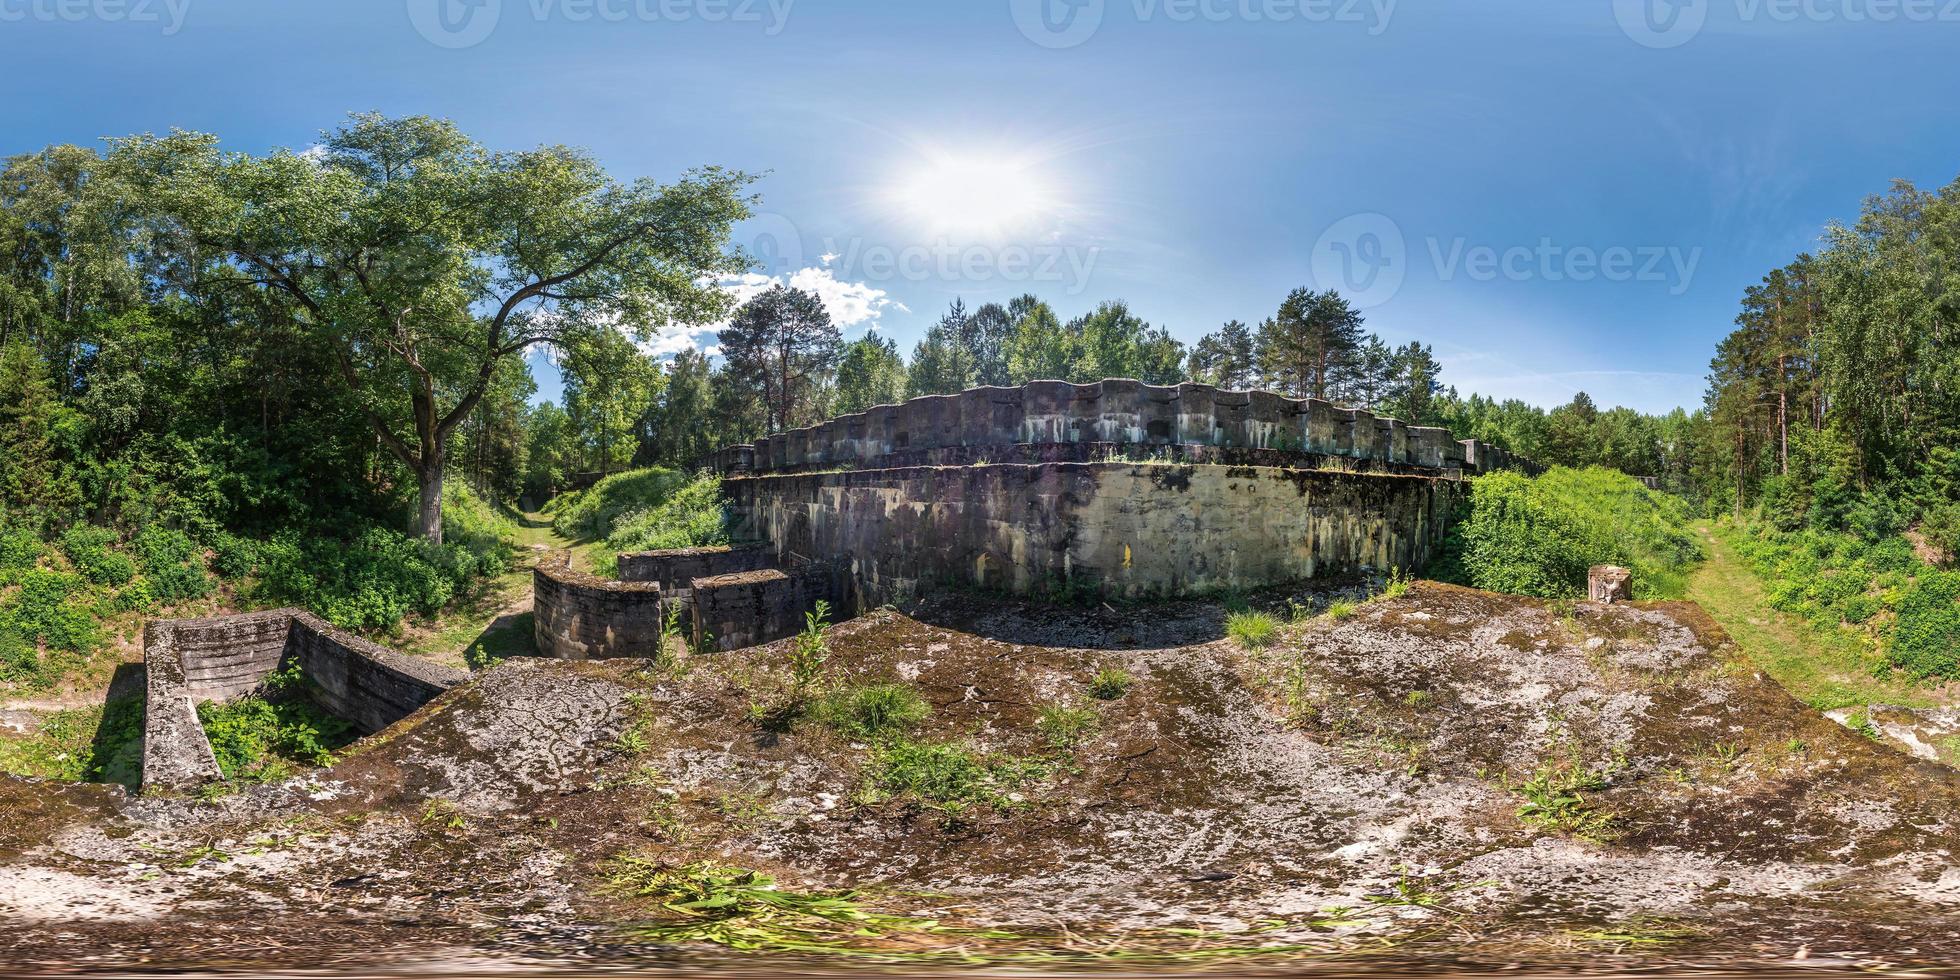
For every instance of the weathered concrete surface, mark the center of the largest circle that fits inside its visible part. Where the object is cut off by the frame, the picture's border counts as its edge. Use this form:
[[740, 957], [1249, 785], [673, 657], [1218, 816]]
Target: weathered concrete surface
[[1357, 790], [1116, 529], [747, 608], [1609, 583], [189, 661], [677, 568], [580, 616], [1116, 412]]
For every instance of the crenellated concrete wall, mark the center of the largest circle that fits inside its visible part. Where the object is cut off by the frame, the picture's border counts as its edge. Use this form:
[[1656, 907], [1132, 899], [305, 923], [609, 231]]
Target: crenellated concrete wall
[[189, 661], [579, 616], [1118, 413], [1132, 530]]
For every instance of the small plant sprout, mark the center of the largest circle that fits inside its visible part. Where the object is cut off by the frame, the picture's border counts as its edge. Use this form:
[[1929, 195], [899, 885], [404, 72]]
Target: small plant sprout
[[1340, 610], [1253, 630], [1111, 684], [1397, 584], [671, 643], [811, 649], [1066, 727]]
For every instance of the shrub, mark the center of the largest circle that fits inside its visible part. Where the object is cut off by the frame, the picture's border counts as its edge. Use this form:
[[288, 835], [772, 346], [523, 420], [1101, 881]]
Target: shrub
[[1926, 638], [470, 523], [90, 550], [1861, 609], [19, 660], [371, 582], [173, 564], [1539, 536], [44, 610], [20, 549], [256, 739], [872, 712], [233, 556], [590, 515], [1253, 630]]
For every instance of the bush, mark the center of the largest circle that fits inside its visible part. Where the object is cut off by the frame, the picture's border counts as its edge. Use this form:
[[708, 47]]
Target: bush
[[593, 514], [90, 550], [259, 740], [233, 556], [1540, 536], [1926, 638], [371, 582], [44, 610], [173, 564], [872, 712], [20, 549], [472, 524], [1253, 630]]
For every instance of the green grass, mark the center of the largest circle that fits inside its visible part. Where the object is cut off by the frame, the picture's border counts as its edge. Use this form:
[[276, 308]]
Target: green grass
[[1111, 684], [590, 514], [1341, 610], [1066, 727], [1555, 799], [1826, 667], [947, 775], [872, 712], [90, 745], [1252, 630]]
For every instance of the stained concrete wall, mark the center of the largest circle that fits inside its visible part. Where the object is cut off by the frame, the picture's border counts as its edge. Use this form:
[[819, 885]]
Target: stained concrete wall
[[1117, 529], [1114, 412], [745, 609], [676, 569], [189, 661], [579, 616]]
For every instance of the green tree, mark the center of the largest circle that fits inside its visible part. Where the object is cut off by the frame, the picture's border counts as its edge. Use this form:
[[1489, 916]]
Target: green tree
[[1224, 358], [1307, 348], [782, 347], [870, 372], [423, 260]]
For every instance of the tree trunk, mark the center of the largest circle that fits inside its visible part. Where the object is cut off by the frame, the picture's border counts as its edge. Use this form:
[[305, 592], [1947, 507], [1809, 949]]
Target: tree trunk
[[428, 518]]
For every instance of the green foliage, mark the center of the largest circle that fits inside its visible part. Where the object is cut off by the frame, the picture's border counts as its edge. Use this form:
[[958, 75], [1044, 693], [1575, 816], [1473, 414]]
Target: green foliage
[[692, 515], [873, 712], [261, 739], [1555, 799], [90, 745], [172, 564], [1111, 684], [46, 608], [371, 582], [20, 549], [234, 557], [1253, 630], [92, 551], [590, 515], [810, 649], [742, 910], [1926, 641], [1539, 537]]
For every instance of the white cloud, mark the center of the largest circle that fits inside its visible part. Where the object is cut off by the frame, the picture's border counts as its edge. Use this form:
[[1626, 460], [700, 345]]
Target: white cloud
[[850, 305]]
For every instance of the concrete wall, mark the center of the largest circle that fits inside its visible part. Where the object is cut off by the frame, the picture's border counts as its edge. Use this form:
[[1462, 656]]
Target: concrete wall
[[584, 617], [1114, 412], [366, 684], [1117, 529], [749, 608], [676, 569], [189, 661]]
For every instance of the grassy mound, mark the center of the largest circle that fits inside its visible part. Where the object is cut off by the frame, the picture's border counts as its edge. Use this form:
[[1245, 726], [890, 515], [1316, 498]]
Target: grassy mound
[[590, 514]]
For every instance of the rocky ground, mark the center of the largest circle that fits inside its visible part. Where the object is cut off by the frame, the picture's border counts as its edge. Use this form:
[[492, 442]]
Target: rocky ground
[[1442, 775]]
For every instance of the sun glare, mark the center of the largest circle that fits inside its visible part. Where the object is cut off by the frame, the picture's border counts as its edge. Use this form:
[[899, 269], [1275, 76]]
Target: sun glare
[[973, 195]]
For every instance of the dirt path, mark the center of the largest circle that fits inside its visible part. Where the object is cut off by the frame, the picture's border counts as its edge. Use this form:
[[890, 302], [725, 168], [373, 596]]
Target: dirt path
[[498, 625], [1823, 668]]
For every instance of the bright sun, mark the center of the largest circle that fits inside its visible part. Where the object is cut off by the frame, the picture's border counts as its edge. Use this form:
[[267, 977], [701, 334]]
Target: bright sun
[[972, 195]]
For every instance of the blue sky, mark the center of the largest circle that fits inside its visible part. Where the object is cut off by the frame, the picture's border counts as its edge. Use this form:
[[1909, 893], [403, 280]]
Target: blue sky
[[1557, 195]]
